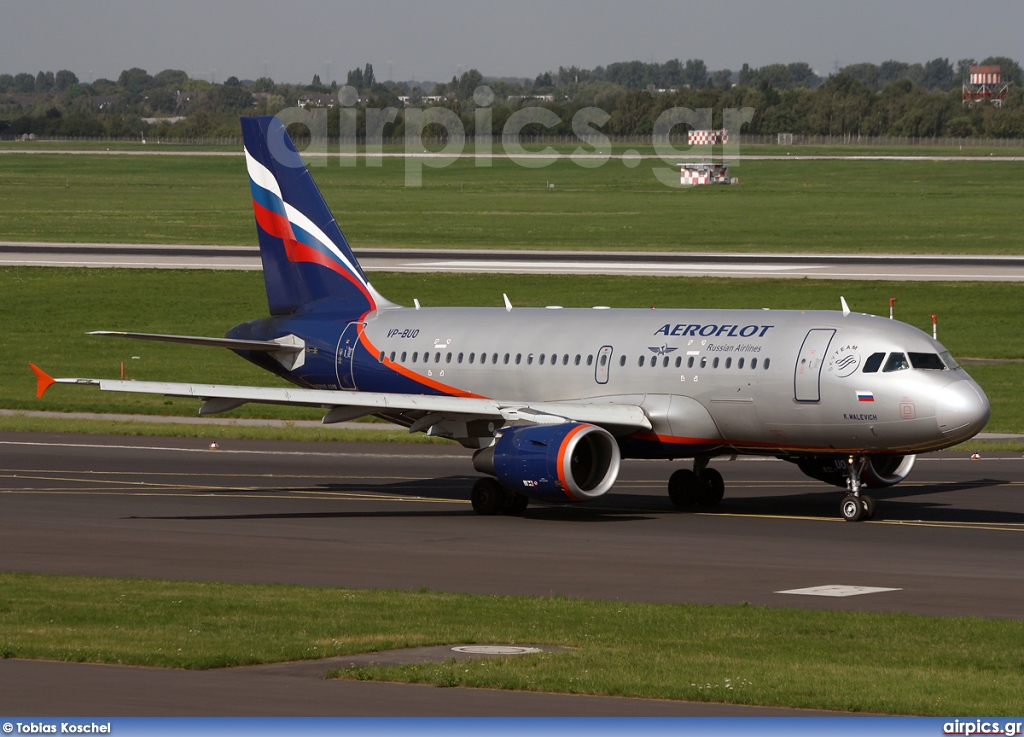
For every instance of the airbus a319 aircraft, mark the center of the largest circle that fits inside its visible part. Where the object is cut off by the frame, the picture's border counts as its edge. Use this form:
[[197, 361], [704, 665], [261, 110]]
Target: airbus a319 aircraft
[[552, 399]]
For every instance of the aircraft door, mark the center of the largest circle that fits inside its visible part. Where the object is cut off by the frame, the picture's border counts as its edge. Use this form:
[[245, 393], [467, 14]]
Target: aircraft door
[[346, 350], [604, 363], [806, 379]]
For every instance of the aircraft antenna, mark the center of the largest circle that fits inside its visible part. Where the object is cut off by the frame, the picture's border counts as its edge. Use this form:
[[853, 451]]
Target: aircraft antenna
[[846, 307], [508, 305], [416, 302]]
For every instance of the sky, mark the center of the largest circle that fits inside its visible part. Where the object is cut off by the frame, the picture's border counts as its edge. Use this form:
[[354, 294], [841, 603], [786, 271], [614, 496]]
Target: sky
[[437, 39]]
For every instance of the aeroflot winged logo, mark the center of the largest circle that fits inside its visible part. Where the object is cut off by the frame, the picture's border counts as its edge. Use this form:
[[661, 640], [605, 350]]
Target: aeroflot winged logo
[[661, 350]]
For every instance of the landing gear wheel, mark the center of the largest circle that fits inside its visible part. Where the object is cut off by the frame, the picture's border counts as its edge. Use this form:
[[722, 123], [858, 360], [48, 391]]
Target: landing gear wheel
[[684, 488], [714, 488], [515, 503], [869, 507], [487, 497], [852, 509]]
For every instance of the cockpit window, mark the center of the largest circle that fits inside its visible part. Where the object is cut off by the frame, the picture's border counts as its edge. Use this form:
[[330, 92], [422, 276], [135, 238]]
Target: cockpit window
[[896, 362], [873, 363], [927, 361], [948, 359]]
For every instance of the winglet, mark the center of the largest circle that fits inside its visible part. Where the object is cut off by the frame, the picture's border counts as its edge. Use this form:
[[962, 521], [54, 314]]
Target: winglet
[[43, 380]]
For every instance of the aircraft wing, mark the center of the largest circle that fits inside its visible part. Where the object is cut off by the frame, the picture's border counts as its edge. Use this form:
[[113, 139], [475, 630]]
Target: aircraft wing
[[345, 405]]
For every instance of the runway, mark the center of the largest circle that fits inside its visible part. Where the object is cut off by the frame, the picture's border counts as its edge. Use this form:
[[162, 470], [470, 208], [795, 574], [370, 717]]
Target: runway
[[949, 539], [734, 265], [946, 542]]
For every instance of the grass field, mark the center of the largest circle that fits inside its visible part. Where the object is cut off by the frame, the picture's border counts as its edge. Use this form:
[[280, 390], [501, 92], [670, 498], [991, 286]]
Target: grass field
[[960, 207], [846, 661], [50, 310]]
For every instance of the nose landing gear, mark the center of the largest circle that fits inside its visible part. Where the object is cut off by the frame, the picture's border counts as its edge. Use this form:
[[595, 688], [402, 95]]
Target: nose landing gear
[[856, 506]]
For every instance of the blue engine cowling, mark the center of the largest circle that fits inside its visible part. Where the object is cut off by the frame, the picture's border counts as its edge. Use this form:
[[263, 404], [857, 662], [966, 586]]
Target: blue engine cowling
[[571, 461]]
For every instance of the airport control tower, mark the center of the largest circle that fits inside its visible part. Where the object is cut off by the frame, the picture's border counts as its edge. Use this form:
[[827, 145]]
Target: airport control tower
[[985, 86]]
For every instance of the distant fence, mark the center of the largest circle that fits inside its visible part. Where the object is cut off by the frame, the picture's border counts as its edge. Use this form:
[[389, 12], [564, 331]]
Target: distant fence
[[748, 139]]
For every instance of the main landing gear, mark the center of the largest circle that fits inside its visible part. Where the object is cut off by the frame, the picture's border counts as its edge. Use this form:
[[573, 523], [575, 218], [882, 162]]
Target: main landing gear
[[702, 486], [856, 506], [489, 498]]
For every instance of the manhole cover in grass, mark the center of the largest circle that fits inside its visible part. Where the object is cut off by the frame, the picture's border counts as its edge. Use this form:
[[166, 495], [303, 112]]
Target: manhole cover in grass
[[496, 650]]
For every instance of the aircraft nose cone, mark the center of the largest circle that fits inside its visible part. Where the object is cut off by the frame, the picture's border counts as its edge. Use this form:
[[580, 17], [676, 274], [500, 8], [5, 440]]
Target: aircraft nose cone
[[961, 409]]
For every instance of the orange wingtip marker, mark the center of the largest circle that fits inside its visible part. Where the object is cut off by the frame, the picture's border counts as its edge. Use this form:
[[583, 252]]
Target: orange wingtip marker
[[43, 380]]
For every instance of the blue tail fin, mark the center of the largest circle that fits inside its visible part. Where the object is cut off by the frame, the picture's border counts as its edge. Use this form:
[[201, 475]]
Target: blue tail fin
[[307, 263]]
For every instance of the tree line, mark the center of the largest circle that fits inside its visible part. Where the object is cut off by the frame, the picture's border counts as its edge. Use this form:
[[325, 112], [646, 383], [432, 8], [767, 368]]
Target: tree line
[[888, 99]]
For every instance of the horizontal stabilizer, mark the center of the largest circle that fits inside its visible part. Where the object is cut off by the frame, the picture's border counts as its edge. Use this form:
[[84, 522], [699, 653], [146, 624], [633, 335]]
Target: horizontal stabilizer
[[231, 343]]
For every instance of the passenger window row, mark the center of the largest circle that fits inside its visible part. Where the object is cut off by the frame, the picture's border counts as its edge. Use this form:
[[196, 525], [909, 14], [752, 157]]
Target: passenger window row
[[448, 357]]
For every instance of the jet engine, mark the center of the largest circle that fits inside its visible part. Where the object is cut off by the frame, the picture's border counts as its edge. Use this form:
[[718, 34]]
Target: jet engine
[[879, 470], [570, 461]]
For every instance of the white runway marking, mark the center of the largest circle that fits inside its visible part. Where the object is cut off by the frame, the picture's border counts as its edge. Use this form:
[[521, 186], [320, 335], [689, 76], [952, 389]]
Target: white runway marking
[[837, 590]]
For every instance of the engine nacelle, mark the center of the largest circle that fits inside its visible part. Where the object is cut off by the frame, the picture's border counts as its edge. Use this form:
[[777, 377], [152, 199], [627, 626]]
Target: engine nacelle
[[879, 471], [566, 462]]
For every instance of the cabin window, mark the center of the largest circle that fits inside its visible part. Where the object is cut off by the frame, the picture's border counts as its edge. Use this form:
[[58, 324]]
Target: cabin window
[[767, 363], [679, 361], [604, 359], [460, 358], [543, 357], [437, 357], [873, 363], [426, 357], [472, 357], [403, 356], [590, 360], [529, 360], [519, 358], [896, 362], [448, 358], [392, 356], [753, 363], [640, 361], [728, 362], [554, 358], [714, 364], [565, 360], [927, 361], [483, 358], [506, 358], [622, 360], [739, 363], [381, 357], [689, 362], [578, 359], [703, 361], [415, 356], [654, 361], [665, 362], [494, 358]]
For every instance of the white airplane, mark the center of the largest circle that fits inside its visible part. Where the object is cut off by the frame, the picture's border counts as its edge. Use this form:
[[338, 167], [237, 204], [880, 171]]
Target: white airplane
[[553, 399]]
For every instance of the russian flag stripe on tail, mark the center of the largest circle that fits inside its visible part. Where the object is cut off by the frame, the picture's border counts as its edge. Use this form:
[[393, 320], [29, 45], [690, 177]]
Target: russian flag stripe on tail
[[307, 263]]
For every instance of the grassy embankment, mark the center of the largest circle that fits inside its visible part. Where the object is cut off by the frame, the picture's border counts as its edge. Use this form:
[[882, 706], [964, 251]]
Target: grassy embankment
[[847, 661], [923, 207]]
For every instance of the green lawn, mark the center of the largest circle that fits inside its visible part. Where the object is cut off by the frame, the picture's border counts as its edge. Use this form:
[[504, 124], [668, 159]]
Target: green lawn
[[846, 661], [960, 207]]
